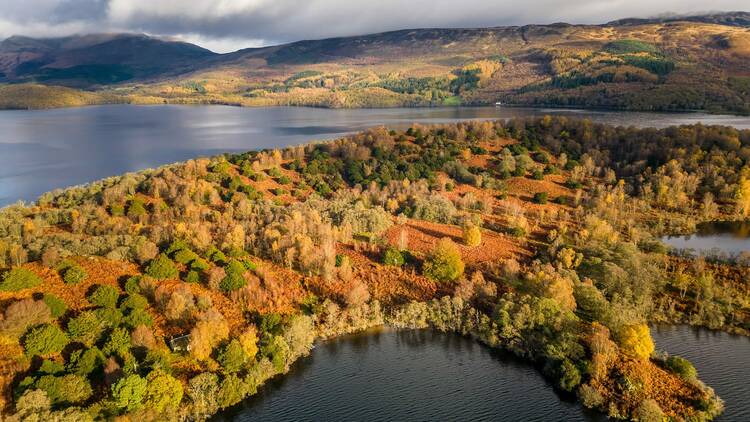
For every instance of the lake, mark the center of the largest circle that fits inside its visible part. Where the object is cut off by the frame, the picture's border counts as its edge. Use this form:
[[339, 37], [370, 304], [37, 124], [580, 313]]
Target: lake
[[408, 375], [48, 149], [730, 238], [722, 361], [426, 375]]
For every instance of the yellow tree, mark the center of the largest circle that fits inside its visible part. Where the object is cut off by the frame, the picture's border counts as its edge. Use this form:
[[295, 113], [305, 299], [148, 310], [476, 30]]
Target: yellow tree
[[742, 196], [636, 342]]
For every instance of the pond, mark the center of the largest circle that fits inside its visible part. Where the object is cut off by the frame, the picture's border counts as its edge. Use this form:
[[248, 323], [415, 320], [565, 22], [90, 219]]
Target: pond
[[426, 375], [49, 149], [728, 238]]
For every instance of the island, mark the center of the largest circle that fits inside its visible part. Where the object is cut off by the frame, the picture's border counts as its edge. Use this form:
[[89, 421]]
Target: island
[[176, 292]]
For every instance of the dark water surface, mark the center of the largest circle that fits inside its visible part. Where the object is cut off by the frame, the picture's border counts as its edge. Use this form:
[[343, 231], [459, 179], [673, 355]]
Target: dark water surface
[[729, 237], [410, 375], [49, 149], [423, 375], [722, 361]]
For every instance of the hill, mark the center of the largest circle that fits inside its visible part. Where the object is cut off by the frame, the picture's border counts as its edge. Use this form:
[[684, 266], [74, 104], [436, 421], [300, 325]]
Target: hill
[[679, 63], [98, 59]]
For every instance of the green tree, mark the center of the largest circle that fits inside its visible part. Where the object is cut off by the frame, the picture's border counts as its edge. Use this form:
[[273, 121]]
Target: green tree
[[86, 328], [233, 357], [235, 278], [105, 296], [444, 262], [393, 256], [56, 305], [85, 362], [74, 274], [118, 343], [164, 392], [19, 279], [66, 390], [128, 392], [45, 339], [162, 267]]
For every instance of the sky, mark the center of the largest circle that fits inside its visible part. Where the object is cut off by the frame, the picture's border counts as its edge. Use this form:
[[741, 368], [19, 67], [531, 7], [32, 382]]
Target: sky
[[228, 25]]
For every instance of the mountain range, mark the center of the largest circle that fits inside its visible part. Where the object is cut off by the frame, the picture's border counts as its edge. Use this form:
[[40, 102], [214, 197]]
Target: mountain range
[[664, 63]]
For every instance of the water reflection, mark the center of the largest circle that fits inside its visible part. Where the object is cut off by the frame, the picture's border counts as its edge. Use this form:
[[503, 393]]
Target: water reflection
[[728, 240], [44, 150]]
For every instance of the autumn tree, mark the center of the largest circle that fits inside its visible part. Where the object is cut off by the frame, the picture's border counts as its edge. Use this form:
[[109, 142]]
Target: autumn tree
[[163, 393], [635, 341], [444, 262]]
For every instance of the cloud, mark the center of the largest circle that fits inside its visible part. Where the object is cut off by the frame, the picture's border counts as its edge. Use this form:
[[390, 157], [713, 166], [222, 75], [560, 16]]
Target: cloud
[[227, 24]]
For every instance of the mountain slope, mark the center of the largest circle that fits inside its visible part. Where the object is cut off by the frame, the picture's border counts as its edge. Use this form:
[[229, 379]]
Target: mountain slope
[[96, 59], [687, 63]]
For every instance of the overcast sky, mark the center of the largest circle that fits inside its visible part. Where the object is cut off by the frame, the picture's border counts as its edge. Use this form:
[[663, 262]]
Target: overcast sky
[[227, 25]]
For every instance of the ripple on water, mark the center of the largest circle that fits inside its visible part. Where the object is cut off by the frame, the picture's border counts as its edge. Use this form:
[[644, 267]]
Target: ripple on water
[[408, 375]]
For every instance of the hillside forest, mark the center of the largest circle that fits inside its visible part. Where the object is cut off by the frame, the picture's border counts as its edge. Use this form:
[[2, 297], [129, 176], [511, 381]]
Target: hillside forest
[[174, 293]]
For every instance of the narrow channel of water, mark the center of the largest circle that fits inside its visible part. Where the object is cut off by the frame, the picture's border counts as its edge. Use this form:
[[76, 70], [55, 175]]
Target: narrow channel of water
[[729, 238]]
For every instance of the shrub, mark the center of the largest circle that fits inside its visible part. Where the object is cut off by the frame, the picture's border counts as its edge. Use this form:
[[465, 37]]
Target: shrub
[[393, 256], [235, 277], [136, 208], [56, 305], [19, 279], [162, 267], [540, 198], [681, 367], [444, 262], [472, 235], [128, 392], [590, 396], [199, 264], [649, 411], [45, 339], [133, 284], [104, 296], [74, 274], [568, 376], [193, 277]]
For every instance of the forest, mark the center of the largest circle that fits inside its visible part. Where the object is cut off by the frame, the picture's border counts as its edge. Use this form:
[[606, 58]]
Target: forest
[[176, 292]]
